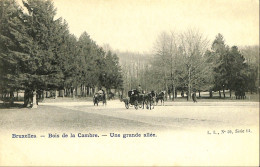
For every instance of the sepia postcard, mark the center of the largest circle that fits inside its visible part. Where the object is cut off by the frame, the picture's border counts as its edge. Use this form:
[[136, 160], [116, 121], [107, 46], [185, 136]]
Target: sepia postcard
[[129, 83]]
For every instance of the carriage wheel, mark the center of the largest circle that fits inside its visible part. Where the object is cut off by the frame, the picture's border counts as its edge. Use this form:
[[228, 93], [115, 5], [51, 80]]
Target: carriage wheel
[[147, 106], [140, 105], [136, 104]]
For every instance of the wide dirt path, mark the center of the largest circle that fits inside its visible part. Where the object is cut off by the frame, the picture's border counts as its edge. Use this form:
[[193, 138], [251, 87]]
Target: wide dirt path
[[186, 133]]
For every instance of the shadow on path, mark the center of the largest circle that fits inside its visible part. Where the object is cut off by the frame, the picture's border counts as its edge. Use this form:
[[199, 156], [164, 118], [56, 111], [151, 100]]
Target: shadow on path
[[11, 106]]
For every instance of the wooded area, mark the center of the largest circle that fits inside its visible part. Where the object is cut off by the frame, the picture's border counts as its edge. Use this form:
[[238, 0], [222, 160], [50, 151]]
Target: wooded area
[[39, 54], [188, 62]]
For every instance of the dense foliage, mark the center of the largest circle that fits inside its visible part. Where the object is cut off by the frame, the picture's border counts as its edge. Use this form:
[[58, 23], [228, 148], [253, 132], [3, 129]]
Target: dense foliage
[[187, 62], [38, 53]]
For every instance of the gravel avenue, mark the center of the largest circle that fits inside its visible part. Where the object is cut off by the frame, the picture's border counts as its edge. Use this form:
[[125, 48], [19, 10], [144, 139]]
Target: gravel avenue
[[173, 116], [202, 133]]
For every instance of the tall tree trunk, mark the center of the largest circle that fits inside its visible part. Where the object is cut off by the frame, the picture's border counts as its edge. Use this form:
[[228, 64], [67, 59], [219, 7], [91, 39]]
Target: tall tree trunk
[[56, 94], [210, 94], [230, 93], [43, 95], [219, 93], [85, 87], [189, 91], [224, 95], [173, 93], [74, 93], [83, 90], [166, 90], [26, 98], [88, 91]]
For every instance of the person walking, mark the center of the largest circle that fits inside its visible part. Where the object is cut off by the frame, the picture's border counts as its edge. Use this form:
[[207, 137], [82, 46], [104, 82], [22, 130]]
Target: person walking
[[194, 98]]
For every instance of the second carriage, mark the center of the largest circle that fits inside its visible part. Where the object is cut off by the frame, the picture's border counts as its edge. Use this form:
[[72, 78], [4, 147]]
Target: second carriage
[[134, 99]]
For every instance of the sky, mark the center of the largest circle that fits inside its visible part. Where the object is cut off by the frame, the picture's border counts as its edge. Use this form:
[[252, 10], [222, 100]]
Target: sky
[[134, 25]]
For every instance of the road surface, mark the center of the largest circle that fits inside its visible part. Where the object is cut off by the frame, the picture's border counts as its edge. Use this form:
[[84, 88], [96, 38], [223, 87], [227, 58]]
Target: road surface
[[179, 133]]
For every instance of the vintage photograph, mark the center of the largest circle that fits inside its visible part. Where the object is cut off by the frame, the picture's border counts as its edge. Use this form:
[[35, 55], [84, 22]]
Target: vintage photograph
[[129, 83]]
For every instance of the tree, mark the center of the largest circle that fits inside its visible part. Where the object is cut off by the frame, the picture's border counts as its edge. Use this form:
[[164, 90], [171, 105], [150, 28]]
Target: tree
[[193, 47], [179, 62], [15, 47], [33, 45], [111, 74], [47, 35], [221, 62], [239, 71], [229, 67], [251, 55]]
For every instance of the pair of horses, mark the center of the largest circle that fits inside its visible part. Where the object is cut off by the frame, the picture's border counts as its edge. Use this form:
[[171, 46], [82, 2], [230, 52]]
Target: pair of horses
[[151, 98], [160, 97]]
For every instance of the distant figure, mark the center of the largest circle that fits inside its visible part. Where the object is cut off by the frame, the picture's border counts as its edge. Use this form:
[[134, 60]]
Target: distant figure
[[120, 95], [139, 89], [153, 93], [210, 94], [194, 98], [182, 93], [101, 91], [175, 94]]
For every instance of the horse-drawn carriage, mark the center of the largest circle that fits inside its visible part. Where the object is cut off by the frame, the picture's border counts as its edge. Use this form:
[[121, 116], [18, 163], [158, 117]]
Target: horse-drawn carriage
[[139, 100], [134, 99], [99, 96]]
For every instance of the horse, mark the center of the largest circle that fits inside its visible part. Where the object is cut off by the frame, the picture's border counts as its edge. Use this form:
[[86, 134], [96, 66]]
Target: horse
[[149, 100], [111, 95], [160, 96], [99, 97]]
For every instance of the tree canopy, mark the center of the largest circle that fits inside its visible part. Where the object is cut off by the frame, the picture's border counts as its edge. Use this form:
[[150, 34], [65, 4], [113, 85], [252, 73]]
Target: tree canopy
[[37, 52]]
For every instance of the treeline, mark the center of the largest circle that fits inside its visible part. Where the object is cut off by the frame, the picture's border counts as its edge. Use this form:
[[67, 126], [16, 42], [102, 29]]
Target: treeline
[[38, 54], [133, 68], [187, 62]]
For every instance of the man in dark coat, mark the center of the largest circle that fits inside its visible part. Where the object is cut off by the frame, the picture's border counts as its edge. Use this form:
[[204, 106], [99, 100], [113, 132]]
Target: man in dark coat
[[194, 98]]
